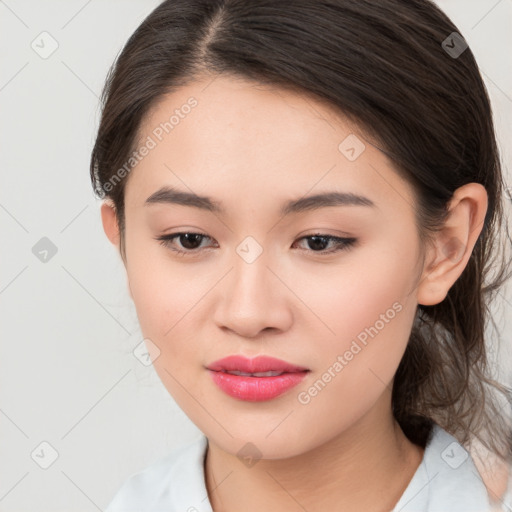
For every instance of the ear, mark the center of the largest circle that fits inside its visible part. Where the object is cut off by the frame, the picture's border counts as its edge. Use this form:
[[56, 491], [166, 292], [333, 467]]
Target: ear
[[111, 228], [109, 220], [448, 256]]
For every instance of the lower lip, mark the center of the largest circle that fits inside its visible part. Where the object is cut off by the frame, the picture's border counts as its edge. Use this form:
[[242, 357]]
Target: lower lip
[[256, 389]]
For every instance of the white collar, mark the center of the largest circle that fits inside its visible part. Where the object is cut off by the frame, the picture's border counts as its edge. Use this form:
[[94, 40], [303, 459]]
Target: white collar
[[446, 481]]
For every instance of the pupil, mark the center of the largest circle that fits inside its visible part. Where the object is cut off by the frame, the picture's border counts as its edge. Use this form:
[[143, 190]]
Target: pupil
[[313, 241], [187, 237]]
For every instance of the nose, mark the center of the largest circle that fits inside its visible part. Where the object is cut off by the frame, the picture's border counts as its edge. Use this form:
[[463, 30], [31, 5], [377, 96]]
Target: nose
[[253, 297]]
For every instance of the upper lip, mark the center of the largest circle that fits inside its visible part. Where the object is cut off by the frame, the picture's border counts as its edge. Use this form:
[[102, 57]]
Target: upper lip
[[255, 365]]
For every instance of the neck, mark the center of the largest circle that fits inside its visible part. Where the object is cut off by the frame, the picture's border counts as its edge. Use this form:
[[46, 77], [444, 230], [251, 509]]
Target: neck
[[366, 467]]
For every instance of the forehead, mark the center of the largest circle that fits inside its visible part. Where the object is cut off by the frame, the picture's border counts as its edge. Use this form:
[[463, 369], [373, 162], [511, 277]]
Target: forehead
[[247, 143]]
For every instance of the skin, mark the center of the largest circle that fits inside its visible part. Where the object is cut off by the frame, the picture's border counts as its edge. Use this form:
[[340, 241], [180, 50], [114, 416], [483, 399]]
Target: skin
[[495, 473], [251, 148]]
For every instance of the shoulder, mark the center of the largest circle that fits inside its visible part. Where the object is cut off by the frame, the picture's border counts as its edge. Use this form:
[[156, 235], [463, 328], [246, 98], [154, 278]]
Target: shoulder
[[446, 480], [164, 484]]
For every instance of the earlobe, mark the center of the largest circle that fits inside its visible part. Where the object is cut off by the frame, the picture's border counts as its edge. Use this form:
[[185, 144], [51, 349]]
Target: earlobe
[[453, 244], [109, 220]]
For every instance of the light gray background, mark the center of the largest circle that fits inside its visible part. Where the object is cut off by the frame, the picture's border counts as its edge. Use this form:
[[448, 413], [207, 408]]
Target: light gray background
[[68, 375]]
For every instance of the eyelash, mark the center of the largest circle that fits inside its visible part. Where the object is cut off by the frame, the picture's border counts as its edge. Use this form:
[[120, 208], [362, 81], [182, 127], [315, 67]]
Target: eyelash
[[343, 244]]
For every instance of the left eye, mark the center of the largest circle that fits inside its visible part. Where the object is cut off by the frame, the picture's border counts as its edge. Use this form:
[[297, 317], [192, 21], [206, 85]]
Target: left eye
[[190, 240]]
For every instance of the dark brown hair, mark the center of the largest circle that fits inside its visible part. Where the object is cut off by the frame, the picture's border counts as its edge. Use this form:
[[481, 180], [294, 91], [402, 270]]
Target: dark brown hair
[[387, 66]]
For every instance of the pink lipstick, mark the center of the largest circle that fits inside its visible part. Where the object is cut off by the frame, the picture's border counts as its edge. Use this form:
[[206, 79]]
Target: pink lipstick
[[255, 380]]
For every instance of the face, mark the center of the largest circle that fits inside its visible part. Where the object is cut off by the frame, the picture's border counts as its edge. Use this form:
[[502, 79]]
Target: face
[[257, 281]]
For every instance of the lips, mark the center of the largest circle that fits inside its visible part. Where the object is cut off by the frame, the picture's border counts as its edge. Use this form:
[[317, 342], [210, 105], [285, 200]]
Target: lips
[[261, 366], [255, 380]]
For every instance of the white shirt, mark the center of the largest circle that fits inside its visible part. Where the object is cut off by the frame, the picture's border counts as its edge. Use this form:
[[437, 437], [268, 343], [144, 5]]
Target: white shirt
[[445, 481]]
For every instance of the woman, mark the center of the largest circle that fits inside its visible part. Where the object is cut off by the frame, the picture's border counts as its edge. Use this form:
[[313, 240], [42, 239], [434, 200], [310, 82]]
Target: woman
[[306, 196]]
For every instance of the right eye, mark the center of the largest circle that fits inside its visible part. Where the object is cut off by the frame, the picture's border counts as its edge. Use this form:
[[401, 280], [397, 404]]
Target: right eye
[[187, 239]]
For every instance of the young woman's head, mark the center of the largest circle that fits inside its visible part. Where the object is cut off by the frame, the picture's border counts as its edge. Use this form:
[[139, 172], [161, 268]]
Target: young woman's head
[[315, 181]]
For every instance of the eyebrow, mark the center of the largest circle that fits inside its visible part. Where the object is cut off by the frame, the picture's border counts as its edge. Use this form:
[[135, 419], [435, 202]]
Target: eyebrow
[[168, 195]]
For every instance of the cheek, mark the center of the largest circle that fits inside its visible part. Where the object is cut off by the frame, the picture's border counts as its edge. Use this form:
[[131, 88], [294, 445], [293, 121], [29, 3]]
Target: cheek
[[167, 302], [353, 295], [371, 317], [165, 293], [365, 311]]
